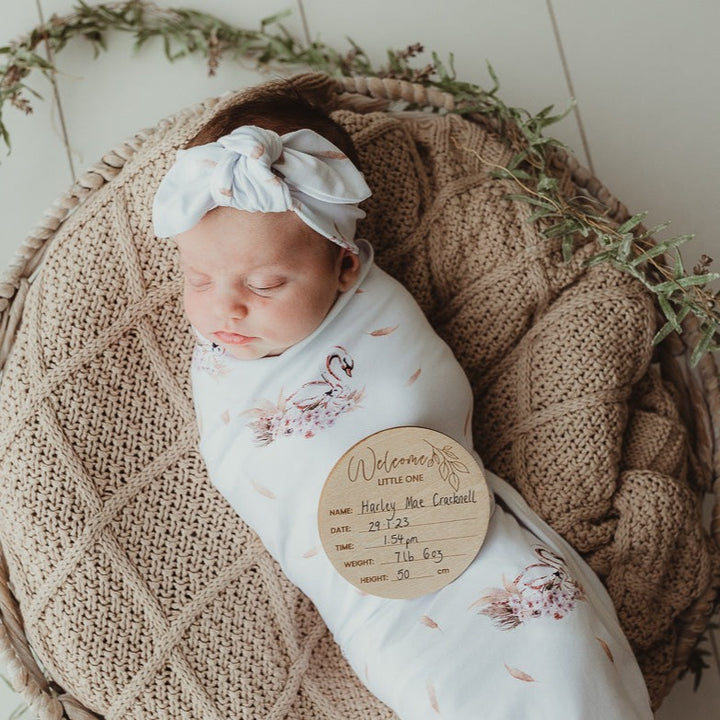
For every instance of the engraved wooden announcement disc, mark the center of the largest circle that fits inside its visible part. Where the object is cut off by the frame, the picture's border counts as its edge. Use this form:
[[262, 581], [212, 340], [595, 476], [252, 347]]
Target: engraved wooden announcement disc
[[404, 512]]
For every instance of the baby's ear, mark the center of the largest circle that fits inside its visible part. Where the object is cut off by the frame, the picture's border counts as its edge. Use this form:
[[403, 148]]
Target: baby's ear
[[349, 269]]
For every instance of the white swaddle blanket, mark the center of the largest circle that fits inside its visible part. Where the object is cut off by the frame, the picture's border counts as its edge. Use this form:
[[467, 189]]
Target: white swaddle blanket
[[527, 631]]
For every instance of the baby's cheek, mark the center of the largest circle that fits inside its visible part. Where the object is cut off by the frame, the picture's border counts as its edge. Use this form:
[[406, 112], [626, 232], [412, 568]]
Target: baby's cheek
[[281, 321], [310, 315], [194, 308]]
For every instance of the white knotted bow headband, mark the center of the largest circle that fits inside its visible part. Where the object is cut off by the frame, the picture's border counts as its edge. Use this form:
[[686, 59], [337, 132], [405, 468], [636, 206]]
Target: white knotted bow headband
[[260, 171]]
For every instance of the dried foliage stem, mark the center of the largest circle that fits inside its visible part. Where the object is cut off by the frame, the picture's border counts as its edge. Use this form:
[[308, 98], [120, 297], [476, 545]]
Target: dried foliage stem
[[630, 247]]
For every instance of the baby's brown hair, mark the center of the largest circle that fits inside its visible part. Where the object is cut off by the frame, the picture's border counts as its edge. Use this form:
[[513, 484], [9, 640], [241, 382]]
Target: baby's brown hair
[[283, 110]]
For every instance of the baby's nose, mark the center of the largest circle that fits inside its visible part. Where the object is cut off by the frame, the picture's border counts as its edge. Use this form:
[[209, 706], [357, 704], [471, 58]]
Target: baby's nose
[[234, 306]]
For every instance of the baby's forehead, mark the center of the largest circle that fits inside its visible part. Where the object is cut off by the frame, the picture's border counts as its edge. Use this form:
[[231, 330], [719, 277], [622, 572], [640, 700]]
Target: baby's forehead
[[253, 244], [226, 263]]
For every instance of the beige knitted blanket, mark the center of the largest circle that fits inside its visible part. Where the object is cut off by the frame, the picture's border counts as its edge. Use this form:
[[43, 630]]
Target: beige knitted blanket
[[142, 592]]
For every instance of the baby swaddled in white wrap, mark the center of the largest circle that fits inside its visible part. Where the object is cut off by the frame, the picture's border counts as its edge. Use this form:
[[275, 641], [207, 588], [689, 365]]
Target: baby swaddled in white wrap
[[304, 348]]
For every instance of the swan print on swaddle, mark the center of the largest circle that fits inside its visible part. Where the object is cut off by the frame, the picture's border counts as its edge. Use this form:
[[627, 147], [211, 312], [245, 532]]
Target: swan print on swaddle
[[313, 407], [543, 589], [527, 631]]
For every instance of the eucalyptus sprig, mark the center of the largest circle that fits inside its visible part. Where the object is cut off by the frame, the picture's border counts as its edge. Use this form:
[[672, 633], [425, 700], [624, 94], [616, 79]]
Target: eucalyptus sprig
[[629, 247], [182, 32]]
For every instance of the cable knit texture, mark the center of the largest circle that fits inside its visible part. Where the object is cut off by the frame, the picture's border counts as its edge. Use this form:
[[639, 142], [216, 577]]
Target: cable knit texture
[[144, 596]]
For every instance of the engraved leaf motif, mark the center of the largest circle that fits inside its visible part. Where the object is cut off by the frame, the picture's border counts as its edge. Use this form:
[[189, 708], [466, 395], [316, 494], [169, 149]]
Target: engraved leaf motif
[[429, 622], [448, 474], [432, 695], [605, 647], [519, 674], [448, 465], [444, 470], [447, 451], [383, 331], [263, 490], [414, 377]]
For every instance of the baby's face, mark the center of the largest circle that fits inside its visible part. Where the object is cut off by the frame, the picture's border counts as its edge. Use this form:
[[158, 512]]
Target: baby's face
[[258, 283]]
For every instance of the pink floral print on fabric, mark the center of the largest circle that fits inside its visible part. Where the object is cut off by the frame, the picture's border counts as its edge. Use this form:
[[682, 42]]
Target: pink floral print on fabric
[[209, 359], [315, 406], [543, 589]]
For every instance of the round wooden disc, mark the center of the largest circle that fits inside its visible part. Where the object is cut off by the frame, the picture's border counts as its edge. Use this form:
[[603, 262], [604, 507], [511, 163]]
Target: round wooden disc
[[404, 512]]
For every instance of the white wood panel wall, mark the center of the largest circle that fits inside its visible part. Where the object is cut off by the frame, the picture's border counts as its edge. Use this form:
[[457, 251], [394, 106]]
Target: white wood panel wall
[[645, 74]]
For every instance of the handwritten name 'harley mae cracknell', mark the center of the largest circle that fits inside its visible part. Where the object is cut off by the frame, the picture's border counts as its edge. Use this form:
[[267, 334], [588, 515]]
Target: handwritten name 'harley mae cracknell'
[[415, 542]]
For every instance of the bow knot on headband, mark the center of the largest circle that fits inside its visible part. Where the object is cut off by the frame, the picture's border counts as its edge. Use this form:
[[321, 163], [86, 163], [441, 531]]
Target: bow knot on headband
[[258, 170]]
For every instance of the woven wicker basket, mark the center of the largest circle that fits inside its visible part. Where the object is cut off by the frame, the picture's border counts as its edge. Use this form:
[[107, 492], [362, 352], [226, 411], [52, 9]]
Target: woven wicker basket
[[52, 695]]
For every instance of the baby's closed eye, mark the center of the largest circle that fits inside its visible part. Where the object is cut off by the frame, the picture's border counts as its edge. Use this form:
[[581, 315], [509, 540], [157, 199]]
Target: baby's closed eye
[[265, 285], [197, 282]]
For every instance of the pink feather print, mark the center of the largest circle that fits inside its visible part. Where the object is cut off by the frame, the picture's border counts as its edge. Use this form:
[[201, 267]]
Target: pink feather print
[[429, 622], [606, 649], [263, 490], [383, 331], [432, 696], [414, 377], [519, 674]]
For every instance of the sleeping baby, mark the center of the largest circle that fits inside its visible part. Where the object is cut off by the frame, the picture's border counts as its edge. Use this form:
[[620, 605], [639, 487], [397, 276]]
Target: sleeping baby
[[304, 348]]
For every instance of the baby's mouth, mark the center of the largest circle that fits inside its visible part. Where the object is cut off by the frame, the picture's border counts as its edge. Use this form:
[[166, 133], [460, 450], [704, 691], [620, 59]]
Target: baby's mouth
[[231, 338]]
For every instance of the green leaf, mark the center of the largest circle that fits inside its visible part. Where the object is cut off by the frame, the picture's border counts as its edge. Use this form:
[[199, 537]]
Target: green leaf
[[669, 312], [625, 248], [539, 214], [685, 282], [274, 19], [552, 119], [660, 249], [599, 259], [516, 159], [678, 268], [518, 174], [631, 223], [565, 227], [493, 77], [656, 230], [708, 333], [5, 135], [666, 329], [547, 183], [528, 199]]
